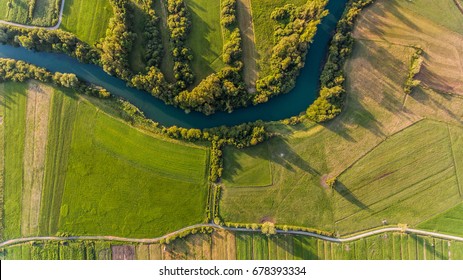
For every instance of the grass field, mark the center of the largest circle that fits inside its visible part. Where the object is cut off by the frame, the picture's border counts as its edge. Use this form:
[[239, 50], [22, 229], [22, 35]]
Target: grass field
[[15, 99], [114, 169], [45, 12], [246, 168], [264, 27], [250, 55], [91, 174], [402, 181], [303, 156], [205, 39], [88, 20], [450, 222]]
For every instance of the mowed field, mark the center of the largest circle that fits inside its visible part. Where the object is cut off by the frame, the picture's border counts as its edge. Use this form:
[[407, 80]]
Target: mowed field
[[377, 109], [407, 179], [205, 39], [44, 13], [247, 167], [450, 222], [264, 28], [72, 168], [88, 20]]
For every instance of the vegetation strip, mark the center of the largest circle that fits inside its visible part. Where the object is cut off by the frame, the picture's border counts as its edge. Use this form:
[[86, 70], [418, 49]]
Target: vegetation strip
[[302, 233]]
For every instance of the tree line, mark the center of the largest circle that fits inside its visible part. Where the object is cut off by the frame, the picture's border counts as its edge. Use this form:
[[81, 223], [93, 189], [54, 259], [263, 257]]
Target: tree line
[[331, 96], [20, 71]]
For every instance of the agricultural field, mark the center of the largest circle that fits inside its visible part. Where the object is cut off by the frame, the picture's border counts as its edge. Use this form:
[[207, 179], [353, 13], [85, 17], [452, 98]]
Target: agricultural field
[[205, 38], [88, 20], [42, 13], [369, 191], [450, 222], [72, 168], [247, 167], [305, 155]]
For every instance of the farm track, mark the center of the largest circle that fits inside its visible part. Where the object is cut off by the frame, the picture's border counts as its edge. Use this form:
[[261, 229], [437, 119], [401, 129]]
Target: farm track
[[33, 26], [292, 232], [459, 6]]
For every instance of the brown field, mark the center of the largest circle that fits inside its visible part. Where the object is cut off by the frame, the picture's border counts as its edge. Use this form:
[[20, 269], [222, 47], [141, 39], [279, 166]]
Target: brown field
[[442, 69], [37, 112], [250, 55], [125, 252]]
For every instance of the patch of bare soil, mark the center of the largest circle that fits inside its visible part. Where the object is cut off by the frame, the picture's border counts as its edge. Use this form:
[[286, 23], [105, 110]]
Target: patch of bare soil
[[125, 252]]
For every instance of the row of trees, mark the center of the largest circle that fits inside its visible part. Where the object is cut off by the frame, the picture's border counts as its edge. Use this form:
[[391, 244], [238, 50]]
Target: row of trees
[[49, 41], [296, 28], [152, 35], [179, 23], [20, 71], [413, 70], [329, 103], [116, 46]]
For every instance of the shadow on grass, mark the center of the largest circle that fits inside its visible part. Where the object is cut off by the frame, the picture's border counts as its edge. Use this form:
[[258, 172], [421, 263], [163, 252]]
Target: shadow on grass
[[342, 190]]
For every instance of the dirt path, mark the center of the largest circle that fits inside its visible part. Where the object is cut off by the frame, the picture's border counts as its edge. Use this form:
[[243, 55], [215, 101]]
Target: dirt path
[[37, 112], [459, 5], [302, 233], [249, 43], [60, 18]]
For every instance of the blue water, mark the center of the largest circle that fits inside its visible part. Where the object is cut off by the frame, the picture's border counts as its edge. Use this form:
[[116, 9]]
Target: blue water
[[280, 107]]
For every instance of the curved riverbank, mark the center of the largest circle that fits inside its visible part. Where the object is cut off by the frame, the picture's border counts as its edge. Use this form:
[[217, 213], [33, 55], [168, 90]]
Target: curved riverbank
[[280, 107]]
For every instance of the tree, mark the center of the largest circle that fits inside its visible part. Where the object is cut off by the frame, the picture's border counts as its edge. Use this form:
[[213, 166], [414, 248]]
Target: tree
[[268, 228]]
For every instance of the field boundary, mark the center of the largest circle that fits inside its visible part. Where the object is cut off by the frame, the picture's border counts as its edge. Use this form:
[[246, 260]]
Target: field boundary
[[454, 161], [60, 17], [372, 232]]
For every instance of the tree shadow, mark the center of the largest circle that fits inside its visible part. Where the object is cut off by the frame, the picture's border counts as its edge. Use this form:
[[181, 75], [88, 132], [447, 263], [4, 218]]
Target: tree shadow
[[342, 190]]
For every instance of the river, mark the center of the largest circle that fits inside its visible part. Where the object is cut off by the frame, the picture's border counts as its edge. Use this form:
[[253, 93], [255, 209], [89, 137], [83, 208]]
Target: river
[[279, 107]]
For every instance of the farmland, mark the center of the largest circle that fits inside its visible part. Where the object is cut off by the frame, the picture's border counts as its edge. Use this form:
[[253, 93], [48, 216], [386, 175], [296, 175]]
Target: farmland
[[100, 176], [88, 20], [222, 245], [375, 119], [248, 167], [43, 13], [450, 222], [205, 39]]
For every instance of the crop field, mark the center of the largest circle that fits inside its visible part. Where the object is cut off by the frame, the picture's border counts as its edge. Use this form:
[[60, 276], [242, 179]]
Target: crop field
[[450, 222], [205, 39], [428, 180], [264, 27], [44, 13], [88, 20], [72, 250], [70, 167], [247, 167]]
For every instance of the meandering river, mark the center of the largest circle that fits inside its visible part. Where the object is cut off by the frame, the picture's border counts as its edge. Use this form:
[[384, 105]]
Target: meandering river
[[280, 107]]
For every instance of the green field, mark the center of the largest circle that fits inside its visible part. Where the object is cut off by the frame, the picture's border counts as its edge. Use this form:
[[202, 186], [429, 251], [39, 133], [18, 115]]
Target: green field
[[136, 55], [450, 222], [402, 180], [88, 20], [247, 167], [167, 63], [14, 96], [44, 13], [442, 12], [264, 28], [205, 39], [101, 176], [114, 169]]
